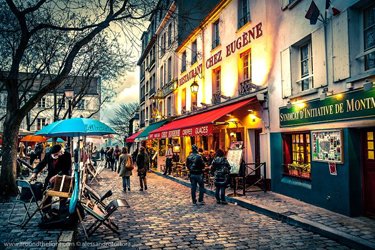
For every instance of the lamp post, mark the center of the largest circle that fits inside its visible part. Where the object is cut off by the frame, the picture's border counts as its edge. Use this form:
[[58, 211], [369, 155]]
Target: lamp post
[[69, 93]]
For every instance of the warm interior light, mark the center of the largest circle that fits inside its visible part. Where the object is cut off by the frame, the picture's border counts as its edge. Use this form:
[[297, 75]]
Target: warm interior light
[[194, 87], [339, 97], [176, 148]]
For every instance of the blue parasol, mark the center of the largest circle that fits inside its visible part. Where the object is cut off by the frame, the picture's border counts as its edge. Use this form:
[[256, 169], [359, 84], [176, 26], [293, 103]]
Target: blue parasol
[[58, 140], [76, 127]]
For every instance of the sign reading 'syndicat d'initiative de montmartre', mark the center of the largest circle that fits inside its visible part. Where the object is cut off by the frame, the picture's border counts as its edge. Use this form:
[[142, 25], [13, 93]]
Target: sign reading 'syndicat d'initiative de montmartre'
[[357, 104]]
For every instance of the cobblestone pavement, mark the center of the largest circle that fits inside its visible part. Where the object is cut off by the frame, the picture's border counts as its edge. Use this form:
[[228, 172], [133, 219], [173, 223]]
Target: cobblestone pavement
[[164, 217], [29, 237]]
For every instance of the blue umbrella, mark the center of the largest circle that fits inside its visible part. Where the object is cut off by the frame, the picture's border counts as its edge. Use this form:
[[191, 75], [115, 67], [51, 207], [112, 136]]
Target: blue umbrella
[[76, 127], [58, 140]]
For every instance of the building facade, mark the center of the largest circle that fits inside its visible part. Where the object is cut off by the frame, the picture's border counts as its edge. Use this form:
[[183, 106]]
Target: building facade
[[323, 116], [53, 106]]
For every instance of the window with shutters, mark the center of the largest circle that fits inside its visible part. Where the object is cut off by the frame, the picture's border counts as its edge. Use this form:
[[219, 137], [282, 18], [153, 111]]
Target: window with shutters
[[305, 67]]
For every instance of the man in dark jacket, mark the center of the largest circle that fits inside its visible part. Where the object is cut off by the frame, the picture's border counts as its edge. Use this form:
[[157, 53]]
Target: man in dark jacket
[[221, 170], [195, 164]]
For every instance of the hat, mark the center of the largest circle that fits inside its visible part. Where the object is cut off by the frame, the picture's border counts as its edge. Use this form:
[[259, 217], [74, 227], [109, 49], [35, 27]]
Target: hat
[[55, 149], [194, 148]]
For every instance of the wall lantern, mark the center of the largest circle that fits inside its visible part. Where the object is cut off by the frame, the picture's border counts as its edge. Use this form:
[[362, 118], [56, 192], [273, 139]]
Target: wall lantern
[[194, 87], [69, 91]]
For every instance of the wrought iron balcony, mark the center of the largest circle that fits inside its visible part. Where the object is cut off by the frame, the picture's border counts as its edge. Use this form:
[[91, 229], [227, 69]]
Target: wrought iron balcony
[[216, 98], [246, 87]]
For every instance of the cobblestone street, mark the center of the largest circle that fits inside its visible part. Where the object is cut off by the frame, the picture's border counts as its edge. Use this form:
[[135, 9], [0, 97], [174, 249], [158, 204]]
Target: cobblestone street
[[164, 217]]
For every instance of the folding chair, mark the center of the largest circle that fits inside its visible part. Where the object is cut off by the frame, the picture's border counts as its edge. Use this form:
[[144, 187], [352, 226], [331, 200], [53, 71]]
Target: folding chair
[[90, 194], [26, 203], [102, 216]]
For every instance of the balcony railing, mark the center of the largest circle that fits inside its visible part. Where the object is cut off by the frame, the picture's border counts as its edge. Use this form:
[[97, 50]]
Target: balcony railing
[[216, 98], [246, 87]]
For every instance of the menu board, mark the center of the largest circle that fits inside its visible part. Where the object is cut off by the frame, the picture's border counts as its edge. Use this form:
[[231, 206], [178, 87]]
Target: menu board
[[327, 146], [234, 157]]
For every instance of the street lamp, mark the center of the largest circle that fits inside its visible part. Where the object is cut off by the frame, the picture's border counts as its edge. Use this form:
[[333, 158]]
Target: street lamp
[[194, 87], [69, 93]]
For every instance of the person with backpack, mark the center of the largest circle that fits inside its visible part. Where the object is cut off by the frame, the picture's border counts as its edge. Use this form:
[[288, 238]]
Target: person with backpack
[[142, 163], [125, 168], [195, 164], [220, 170]]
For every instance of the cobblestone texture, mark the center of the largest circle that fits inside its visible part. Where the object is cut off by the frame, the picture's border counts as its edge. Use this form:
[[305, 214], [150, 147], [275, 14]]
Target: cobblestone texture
[[163, 217]]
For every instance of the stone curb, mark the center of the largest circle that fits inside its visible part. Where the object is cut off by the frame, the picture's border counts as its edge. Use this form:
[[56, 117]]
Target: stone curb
[[342, 237], [66, 240]]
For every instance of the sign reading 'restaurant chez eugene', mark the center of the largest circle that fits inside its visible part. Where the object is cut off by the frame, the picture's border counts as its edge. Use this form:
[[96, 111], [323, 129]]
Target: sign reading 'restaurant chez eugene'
[[244, 39], [358, 104]]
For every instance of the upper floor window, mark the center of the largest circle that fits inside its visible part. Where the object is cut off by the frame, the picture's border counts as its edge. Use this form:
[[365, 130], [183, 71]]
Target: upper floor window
[[305, 63], [81, 104], [216, 85], [61, 103], [42, 103], [243, 12], [246, 66], [183, 100], [161, 76], [215, 34], [170, 34], [169, 69], [169, 106], [183, 62], [40, 123], [369, 37], [194, 52], [162, 44]]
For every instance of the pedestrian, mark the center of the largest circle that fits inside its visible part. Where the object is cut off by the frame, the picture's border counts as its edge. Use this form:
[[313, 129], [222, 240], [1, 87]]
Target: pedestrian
[[125, 168], [116, 156], [58, 163], [195, 164], [142, 164], [94, 155], [168, 160], [220, 170], [102, 153]]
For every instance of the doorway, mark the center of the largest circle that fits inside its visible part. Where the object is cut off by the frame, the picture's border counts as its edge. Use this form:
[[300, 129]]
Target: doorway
[[368, 142]]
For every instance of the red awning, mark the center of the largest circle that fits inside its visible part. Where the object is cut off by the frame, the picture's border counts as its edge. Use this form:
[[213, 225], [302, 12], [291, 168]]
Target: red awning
[[133, 136], [199, 124]]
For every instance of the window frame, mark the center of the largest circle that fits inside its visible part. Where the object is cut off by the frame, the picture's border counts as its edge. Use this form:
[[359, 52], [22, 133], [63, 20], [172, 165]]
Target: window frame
[[42, 102], [368, 51], [194, 52], [244, 16], [306, 80], [215, 34], [183, 62], [81, 104]]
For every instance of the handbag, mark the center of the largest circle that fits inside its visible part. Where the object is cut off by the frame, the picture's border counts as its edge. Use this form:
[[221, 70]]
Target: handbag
[[129, 165]]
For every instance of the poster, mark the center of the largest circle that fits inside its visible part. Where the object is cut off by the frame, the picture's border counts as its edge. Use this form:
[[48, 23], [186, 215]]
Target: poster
[[234, 157], [327, 146], [332, 168]]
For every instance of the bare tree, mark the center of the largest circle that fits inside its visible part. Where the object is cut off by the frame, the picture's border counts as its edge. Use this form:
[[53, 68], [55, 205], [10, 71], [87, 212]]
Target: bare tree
[[41, 37], [123, 114]]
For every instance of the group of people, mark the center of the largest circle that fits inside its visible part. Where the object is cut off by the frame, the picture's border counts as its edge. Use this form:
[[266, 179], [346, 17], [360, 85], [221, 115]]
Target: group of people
[[220, 169]]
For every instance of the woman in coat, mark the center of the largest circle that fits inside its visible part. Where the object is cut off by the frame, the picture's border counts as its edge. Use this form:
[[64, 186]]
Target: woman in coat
[[125, 168], [221, 170], [142, 164]]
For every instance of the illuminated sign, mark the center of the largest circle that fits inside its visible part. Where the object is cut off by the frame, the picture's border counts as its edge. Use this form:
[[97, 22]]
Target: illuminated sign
[[192, 73], [358, 104]]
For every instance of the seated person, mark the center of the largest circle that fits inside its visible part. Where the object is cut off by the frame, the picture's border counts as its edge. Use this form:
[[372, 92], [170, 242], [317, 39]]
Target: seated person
[[57, 162]]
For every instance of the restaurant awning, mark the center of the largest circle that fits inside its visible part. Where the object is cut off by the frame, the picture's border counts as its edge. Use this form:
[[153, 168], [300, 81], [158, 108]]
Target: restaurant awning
[[199, 124], [133, 136], [145, 133]]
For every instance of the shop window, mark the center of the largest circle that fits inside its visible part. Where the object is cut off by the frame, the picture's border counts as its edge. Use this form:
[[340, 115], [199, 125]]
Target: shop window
[[296, 152], [370, 146], [369, 37], [205, 142], [243, 12], [215, 34]]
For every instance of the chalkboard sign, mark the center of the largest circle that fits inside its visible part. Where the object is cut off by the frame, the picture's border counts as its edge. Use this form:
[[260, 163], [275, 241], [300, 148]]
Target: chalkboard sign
[[234, 157]]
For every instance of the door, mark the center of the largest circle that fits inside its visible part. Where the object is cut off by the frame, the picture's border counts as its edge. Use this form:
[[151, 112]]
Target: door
[[369, 171]]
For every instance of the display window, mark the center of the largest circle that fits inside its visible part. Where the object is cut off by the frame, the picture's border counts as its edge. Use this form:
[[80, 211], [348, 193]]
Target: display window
[[297, 154]]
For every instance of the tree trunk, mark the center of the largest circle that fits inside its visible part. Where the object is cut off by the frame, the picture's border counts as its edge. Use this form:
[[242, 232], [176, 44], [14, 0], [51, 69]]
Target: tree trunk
[[9, 159]]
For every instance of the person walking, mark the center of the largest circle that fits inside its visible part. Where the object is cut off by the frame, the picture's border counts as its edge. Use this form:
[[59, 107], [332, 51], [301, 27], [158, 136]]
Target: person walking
[[102, 153], [195, 164], [220, 170], [125, 168], [168, 160], [116, 156], [142, 164]]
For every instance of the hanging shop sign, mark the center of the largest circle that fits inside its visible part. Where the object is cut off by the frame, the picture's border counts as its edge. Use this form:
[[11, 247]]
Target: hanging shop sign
[[357, 104], [193, 131]]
